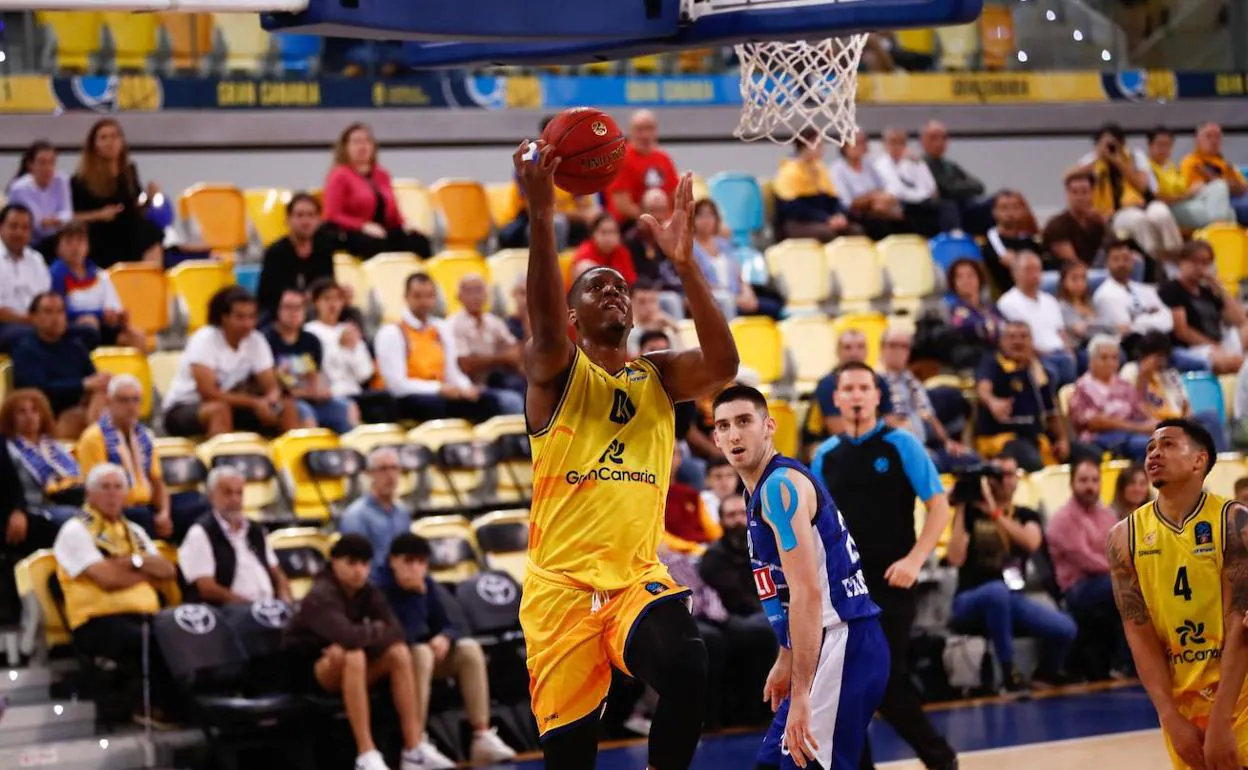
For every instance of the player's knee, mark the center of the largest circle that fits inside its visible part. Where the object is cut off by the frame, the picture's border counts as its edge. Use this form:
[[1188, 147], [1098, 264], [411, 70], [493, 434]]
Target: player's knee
[[687, 668]]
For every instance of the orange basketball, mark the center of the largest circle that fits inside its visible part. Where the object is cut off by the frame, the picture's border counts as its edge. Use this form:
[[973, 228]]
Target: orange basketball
[[591, 147]]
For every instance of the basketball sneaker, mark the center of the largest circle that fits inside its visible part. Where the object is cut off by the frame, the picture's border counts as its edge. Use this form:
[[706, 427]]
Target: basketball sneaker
[[426, 757], [488, 748], [371, 760]]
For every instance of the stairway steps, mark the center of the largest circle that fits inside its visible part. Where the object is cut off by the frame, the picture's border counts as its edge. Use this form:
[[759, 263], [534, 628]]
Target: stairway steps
[[38, 723]]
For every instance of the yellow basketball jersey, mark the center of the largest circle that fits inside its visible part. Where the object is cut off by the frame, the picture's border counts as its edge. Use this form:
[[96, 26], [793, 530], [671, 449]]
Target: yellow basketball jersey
[[600, 475], [1180, 573]]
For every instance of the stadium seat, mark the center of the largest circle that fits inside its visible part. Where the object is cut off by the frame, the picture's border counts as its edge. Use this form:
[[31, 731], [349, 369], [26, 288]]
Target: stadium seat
[[959, 46], [247, 46], [77, 34], [788, 434], [513, 467], [450, 267], [1230, 252], [144, 292], [1026, 495], [115, 360], [503, 537], [194, 283], [349, 272], [456, 460], [947, 249], [800, 268], [365, 438], [650, 64], [855, 263], [908, 262], [1064, 396], [1110, 471], [33, 575], [465, 208], [311, 496], [760, 345], [251, 455], [1229, 468], [190, 38], [694, 61], [1228, 383], [298, 53], [872, 326], [565, 265], [6, 376], [302, 552], [768, 188], [220, 213], [506, 268], [248, 277], [811, 343], [996, 35], [740, 202], [700, 188], [163, 365], [456, 555], [180, 466], [387, 275], [416, 205], [920, 41], [499, 195], [687, 333], [135, 38], [266, 208], [1052, 485], [1205, 394]]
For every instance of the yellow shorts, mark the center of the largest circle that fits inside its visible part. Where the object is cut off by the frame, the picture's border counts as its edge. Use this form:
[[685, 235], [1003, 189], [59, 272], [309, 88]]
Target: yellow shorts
[[1201, 720], [574, 635]]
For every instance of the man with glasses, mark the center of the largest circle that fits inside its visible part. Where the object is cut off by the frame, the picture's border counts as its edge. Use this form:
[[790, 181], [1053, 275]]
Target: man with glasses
[[379, 516]]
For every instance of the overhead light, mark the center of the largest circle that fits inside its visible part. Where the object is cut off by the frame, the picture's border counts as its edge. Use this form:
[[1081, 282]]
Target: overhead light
[[1050, 15], [1106, 55], [1077, 35], [1022, 56]]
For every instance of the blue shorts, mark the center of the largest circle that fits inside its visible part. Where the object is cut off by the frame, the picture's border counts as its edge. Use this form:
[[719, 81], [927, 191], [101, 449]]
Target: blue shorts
[[848, 687]]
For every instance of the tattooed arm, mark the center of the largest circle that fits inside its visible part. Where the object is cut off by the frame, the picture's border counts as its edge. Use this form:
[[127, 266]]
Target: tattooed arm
[[1146, 648], [1220, 749]]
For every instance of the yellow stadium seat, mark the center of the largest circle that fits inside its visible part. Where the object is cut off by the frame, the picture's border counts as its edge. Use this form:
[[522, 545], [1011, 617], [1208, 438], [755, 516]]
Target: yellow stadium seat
[[190, 38], [6, 376], [310, 497], [194, 282], [600, 68], [416, 205], [179, 463], [466, 210], [907, 323], [266, 207], [503, 537], [127, 361], [507, 267], [1229, 468], [650, 64], [32, 576], [135, 38], [247, 45], [453, 482], [349, 273], [387, 275], [253, 454], [566, 258], [1026, 494], [144, 292], [514, 471], [448, 268], [1064, 395], [768, 189], [760, 345], [1110, 471], [788, 434], [872, 326], [959, 45], [302, 552], [78, 36], [921, 41], [1228, 383], [908, 261], [855, 263], [801, 270], [1230, 252], [700, 189], [1052, 485], [220, 212], [996, 34], [688, 333], [811, 341], [694, 61], [456, 556], [365, 438], [163, 365], [169, 590], [500, 198]]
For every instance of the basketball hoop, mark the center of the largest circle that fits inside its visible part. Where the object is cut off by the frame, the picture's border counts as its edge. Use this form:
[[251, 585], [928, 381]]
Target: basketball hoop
[[789, 87]]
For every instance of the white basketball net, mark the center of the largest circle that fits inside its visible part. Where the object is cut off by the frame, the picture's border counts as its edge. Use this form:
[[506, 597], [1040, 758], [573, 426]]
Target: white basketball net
[[787, 87]]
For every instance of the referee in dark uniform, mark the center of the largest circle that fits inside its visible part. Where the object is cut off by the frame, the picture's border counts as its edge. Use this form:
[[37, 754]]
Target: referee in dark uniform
[[874, 473]]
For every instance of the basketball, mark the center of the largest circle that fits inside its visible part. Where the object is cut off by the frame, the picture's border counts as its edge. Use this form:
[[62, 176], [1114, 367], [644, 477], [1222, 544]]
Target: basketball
[[591, 146]]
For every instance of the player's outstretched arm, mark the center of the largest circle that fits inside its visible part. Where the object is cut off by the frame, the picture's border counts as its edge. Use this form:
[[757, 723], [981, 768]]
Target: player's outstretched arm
[[1150, 658], [1220, 747], [549, 350], [691, 374]]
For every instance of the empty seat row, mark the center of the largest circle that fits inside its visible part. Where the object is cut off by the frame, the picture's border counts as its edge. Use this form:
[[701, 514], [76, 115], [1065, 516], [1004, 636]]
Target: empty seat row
[[853, 269]]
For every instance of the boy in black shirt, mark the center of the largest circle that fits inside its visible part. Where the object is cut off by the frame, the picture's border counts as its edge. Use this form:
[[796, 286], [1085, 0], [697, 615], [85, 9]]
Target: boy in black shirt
[[297, 356]]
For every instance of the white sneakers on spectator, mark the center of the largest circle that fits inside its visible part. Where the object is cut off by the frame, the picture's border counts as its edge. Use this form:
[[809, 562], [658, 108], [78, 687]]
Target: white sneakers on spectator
[[488, 748], [372, 760], [426, 757]]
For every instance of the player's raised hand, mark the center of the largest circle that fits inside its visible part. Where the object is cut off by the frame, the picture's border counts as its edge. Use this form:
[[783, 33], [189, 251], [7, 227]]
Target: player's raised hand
[[675, 236], [797, 736], [535, 164]]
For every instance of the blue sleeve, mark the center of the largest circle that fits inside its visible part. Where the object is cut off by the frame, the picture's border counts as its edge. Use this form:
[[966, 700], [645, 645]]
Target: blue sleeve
[[439, 620], [886, 395], [919, 468], [57, 272], [823, 396], [822, 451]]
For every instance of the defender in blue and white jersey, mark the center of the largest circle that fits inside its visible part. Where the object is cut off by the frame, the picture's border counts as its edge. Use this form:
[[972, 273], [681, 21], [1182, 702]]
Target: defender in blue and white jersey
[[833, 664]]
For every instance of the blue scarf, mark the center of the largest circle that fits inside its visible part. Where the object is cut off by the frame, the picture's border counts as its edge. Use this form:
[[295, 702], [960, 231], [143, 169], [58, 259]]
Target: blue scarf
[[47, 462], [113, 441]]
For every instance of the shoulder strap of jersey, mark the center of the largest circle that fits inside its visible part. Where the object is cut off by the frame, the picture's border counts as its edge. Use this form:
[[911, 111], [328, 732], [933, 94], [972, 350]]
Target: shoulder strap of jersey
[[1131, 538], [568, 373]]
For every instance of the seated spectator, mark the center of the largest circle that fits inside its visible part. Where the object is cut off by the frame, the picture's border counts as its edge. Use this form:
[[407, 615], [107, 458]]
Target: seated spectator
[[23, 275], [990, 543], [224, 558], [954, 183], [379, 515], [120, 439], [1013, 232], [688, 526], [824, 419], [1204, 203], [1076, 538], [420, 365], [912, 409], [1121, 189], [298, 260], [976, 323], [1206, 164], [649, 318], [361, 214], [908, 179], [55, 362], [650, 264], [1208, 322], [518, 322], [1078, 313], [44, 192], [345, 635], [862, 191], [488, 353], [721, 268], [1161, 387], [346, 361], [1077, 232], [109, 571], [722, 482], [806, 202], [573, 214], [1132, 490], [50, 475], [226, 381], [1027, 303], [646, 167], [604, 248], [110, 198], [298, 361], [439, 651], [91, 301], [26, 529], [1105, 409], [1126, 307]]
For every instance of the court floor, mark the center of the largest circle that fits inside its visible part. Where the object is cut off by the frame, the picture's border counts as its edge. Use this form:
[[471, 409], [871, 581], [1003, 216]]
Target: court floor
[[1107, 727]]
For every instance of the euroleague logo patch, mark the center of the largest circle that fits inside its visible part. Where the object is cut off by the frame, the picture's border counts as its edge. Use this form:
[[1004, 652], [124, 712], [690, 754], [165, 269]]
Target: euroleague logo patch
[[1203, 532]]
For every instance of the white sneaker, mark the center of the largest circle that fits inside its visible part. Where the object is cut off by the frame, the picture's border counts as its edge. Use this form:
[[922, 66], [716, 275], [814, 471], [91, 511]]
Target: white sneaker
[[426, 757], [488, 748], [372, 760]]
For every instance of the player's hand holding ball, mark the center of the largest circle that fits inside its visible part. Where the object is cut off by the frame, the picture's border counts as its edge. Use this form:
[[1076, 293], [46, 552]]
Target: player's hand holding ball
[[535, 164]]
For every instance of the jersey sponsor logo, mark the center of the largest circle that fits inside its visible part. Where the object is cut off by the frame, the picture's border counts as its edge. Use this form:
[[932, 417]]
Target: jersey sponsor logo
[[636, 375], [622, 408], [1203, 532], [606, 473], [881, 465], [854, 585], [614, 452], [1191, 639], [1191, 631], [763, 583]]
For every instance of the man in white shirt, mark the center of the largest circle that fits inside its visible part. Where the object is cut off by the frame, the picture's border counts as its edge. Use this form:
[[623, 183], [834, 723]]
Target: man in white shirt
[[420, 367], [224, 558], [488, 352], [1026, 303], [1124, 305], [908, 179], [23, 274]]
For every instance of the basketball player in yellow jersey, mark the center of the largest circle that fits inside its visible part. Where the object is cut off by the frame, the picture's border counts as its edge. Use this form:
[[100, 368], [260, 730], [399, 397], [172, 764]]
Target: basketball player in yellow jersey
[[1180, 571], [602, 429]]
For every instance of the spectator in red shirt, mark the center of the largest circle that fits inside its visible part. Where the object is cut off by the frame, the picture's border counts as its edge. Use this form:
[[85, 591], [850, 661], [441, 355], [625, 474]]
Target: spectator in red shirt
[[688, 525], [360, 208], [606, 249], [645, 167]]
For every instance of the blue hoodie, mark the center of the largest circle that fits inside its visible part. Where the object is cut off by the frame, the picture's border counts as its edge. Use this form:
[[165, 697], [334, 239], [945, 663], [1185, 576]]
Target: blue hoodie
[[422, 615]]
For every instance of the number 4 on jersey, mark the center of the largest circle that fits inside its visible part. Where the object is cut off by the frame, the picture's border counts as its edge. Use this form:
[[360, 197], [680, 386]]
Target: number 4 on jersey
[[1181, 586]]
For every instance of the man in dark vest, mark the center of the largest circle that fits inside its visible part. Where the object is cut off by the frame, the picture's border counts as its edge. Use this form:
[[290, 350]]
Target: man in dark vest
[[224, 558], [874, 473]]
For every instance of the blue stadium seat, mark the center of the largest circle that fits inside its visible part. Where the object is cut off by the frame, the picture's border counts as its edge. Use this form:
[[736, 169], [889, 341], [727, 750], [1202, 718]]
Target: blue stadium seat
[[948, 248], [1205, 394], [160, 211], [298, 52], [248, 276], [740, 201]]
